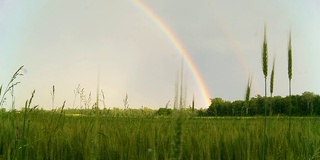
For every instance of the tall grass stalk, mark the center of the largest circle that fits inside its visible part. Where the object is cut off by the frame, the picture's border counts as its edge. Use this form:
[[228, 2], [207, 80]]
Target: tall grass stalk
[[272, 84], [192, 104], [177, 136], [265, 62], [52, 97], [97, 96], [290, 63], [103, 99], [167, 104], [95, 127], [178, 119], [25, 125], [247, 100], [181, 88], [126, 102], [290, 78], [62, 114], [12, 99], [272, 77], [10, 85], [265, 73], [76, 91], [176, 93]]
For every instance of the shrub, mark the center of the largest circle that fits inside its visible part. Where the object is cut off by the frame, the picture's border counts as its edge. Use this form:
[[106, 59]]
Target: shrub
[[164, 112]]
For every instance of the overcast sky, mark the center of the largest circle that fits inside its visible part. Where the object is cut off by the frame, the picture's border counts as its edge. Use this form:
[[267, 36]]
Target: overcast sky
[[69, 42]]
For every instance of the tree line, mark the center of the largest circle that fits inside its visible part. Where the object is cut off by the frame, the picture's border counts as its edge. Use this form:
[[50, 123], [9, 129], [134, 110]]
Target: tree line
[[306, 104]]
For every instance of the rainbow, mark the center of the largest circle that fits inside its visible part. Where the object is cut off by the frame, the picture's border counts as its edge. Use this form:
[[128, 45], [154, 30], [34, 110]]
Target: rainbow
[[176, 42]]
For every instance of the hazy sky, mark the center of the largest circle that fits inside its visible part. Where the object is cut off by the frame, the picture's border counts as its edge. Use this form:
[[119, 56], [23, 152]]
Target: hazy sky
[[68, 42]]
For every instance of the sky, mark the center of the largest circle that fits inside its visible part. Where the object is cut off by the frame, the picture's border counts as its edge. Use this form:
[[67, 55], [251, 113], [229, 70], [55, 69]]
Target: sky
[[136, 47]]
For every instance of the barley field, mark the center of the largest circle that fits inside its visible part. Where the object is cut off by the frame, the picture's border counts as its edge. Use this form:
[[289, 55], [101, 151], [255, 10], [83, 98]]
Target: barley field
[[37, 134]]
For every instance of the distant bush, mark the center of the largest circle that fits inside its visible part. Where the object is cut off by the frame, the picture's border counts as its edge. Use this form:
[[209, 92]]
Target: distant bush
[[164, 112]]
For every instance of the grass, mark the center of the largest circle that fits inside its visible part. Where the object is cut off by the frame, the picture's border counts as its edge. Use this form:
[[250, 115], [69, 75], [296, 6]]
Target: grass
[[265, 73], [272, 84], [71, 137], [12, 83], [290, 80]]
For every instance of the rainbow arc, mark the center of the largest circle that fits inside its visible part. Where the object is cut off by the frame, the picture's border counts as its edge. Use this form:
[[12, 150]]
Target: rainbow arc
[[181, 49]]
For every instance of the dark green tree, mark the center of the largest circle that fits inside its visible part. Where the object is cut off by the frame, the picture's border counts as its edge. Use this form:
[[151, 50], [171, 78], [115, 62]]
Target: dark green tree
[[307, 98], [215, 107]]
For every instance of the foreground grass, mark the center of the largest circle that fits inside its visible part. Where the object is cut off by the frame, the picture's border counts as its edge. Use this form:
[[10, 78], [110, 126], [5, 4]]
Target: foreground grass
[[49, 135]]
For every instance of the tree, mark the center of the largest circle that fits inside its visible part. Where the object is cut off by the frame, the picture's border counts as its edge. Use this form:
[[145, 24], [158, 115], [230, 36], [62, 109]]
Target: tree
[[237, 107], [307, 98], [279, 106], [317, 104], [164, 111], [215, 107]]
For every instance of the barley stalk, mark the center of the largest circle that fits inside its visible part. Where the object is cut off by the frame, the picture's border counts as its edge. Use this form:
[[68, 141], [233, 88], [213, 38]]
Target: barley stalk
[[265, 55], [52, 97], [247, 99], [176, 93], [290, 78], [181, 104], [290, 59], [272, 83], [272, 77], [265, 73]]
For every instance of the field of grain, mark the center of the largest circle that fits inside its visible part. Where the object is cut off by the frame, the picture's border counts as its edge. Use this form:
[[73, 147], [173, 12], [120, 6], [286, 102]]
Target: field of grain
[[40, 134]]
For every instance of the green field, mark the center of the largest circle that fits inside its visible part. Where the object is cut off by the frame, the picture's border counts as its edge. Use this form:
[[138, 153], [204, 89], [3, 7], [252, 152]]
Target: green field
[[40, 134]]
